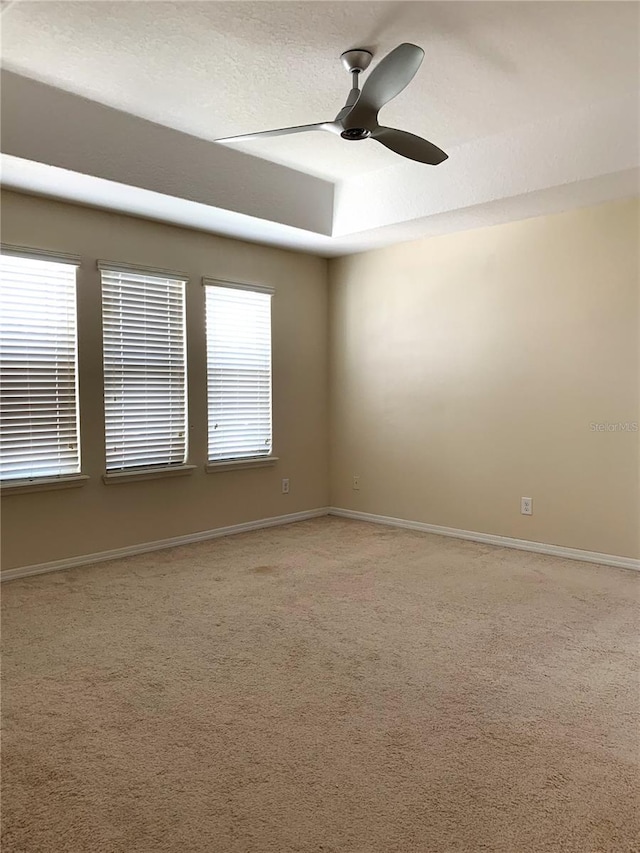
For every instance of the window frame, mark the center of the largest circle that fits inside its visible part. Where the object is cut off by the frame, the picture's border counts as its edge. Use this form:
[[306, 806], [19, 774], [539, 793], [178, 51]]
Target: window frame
[[143, 471], [46, 482], [239, 462]]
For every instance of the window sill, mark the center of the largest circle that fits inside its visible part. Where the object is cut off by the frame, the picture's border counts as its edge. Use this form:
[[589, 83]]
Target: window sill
[[114, 477], [237, 464], [44, 484]]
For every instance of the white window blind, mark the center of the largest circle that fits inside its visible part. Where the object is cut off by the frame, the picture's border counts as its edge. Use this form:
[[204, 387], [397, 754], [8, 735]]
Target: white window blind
[[143, 318], [39, 429], [238, 371]]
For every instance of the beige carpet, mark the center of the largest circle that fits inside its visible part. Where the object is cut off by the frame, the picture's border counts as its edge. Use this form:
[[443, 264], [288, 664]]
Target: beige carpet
[[327, 686]]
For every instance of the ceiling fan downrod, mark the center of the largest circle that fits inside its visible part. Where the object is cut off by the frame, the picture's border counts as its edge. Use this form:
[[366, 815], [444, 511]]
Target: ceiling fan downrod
[[355, 61]]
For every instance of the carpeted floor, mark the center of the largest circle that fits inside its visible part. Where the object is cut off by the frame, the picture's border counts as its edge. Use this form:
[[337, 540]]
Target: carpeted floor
[[327, 686]]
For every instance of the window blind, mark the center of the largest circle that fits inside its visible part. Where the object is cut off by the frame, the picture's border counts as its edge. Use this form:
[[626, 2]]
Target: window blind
[[145, 398], [39, 427], [238, 371]]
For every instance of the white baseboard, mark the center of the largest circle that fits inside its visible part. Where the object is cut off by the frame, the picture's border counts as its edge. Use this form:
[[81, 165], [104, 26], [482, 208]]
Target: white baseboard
[[160, 544], [201, 536], [491, 539]]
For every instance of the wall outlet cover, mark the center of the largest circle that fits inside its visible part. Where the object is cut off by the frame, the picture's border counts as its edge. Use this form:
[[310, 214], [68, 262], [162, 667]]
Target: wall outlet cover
[[526, 506]]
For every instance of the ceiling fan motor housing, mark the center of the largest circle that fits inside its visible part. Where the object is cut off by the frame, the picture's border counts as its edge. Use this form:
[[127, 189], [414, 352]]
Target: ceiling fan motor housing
[[355, 133]]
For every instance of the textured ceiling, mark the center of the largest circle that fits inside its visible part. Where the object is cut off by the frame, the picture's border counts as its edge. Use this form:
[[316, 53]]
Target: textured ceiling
[[216, 69], [116, 104]]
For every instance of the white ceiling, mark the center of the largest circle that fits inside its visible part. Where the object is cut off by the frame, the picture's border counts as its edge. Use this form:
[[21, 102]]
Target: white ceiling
[[526, 97]]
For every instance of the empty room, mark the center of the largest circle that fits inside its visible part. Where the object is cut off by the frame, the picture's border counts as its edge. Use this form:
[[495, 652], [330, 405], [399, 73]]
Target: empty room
[[319, 408]]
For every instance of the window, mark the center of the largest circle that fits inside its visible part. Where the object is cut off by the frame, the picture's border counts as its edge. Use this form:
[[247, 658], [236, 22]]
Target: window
[[145, 398], [39, 436], [238, 370]]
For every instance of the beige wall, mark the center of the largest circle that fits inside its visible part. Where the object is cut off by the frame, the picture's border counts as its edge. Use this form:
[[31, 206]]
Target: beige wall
[[466, 371], [43, 526]]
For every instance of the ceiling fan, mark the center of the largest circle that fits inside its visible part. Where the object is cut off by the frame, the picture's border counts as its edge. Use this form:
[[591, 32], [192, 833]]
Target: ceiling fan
[[358, 119]]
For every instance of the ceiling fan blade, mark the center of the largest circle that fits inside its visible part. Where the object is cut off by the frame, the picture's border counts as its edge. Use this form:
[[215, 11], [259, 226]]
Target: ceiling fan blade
[[281, 131], [408, 145], [390, 76], [351, 101]]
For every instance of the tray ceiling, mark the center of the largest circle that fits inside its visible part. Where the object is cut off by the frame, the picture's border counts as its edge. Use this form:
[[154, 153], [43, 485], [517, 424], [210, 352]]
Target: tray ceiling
[[504, 88]]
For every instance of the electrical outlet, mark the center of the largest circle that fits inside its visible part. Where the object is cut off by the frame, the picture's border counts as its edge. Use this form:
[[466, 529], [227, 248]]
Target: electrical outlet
[[285, 485], [526, 506], [356, 482]]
